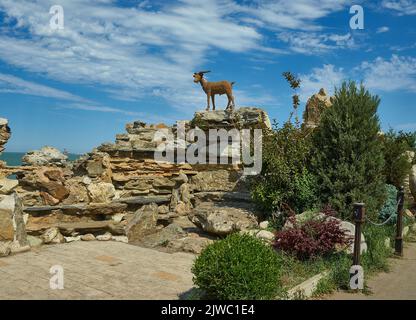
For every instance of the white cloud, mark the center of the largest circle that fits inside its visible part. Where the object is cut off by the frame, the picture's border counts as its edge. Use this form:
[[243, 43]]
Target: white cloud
[[327, 77], [128, 50], [295, 15], [383, 29], [398, 73], [314, 43], [401, 7], [149, 50]]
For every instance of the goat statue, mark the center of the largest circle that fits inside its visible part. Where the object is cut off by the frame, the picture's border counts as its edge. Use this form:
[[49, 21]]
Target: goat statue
[[213, 88]]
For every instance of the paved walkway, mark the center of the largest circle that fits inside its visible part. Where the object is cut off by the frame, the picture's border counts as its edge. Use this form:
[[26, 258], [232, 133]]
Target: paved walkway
[[96, 270], [398, 284]]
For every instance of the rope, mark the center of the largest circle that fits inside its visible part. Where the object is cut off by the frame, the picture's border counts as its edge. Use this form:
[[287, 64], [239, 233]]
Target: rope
[[388, 219]]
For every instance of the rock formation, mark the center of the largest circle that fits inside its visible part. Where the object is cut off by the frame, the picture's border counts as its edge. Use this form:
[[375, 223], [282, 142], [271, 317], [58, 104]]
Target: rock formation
[[12, 226], [6, 185], [45, 156], [120, 192], [315, 105], [4, 133], [409, 182]]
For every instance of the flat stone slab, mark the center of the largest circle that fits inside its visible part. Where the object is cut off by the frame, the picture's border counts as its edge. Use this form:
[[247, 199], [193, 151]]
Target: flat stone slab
[[96, 270]]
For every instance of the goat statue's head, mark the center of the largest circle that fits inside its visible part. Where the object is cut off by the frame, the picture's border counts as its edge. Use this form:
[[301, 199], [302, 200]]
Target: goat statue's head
[[198, 76]]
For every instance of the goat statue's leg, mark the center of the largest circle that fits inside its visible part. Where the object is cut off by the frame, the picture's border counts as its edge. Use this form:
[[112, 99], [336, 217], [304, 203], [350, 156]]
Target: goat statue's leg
[[208, 98], [213, 101], [230, 99]]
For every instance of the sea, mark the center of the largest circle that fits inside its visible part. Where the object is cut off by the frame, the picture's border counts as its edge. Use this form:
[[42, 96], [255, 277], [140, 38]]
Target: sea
[[15, 158]]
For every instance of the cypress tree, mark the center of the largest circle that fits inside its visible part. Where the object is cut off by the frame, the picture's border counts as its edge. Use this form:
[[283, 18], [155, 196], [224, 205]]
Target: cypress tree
[[347, 153]]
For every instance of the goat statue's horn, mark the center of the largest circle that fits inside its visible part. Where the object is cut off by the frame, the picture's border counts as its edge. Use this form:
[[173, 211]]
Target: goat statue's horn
[[203, 72]]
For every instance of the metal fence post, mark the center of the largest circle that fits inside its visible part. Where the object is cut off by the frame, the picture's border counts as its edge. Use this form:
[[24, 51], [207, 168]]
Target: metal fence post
[[399, 224], [359, 215]]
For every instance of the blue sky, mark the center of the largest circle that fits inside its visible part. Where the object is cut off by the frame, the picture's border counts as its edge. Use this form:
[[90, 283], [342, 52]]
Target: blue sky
[[119, 61]]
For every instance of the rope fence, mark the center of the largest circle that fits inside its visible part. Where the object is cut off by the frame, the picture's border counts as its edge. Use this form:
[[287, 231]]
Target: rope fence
[[360, 218]]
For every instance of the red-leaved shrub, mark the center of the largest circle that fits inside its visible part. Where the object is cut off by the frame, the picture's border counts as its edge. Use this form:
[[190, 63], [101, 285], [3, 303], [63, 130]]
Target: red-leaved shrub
[[312, 239]]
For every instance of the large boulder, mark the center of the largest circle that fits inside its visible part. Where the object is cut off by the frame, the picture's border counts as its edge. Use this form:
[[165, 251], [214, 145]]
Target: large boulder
[[7, 185], [243, 118], [217, 180], [7, 205], [164, 236], [77, 188], [12, 225], [101, 192], [222, 219], [143, 223], [349, 229], [192, 243], [55, 189], [45, 156]]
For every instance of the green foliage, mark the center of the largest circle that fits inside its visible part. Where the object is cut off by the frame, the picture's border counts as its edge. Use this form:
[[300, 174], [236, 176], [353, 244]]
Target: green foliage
[[238, 267], [396, 162], [390, 205], [285, 184], [375, 259], [339, 275], [347, 157]]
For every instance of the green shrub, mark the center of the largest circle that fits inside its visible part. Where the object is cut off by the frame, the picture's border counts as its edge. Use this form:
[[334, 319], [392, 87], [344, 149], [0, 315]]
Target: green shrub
[[396, 162], [375, 259], [390, 205], [238, 267], [285, 184], [347, 157]]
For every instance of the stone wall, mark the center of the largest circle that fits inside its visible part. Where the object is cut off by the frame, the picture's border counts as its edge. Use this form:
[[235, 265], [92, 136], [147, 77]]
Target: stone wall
[[120, 192]]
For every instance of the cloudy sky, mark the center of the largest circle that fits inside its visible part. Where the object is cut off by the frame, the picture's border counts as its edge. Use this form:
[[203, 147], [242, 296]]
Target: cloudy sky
[[119, 61]]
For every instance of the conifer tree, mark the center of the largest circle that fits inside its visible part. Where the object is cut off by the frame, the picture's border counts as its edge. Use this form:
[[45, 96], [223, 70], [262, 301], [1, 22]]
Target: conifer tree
[[347, 153]]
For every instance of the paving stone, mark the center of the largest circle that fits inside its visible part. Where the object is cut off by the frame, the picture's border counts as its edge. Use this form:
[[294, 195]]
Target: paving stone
[[96, 270]]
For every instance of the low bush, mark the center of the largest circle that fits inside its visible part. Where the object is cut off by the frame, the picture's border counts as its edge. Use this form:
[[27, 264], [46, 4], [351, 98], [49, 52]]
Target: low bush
[[314, 238], [238, 267]]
